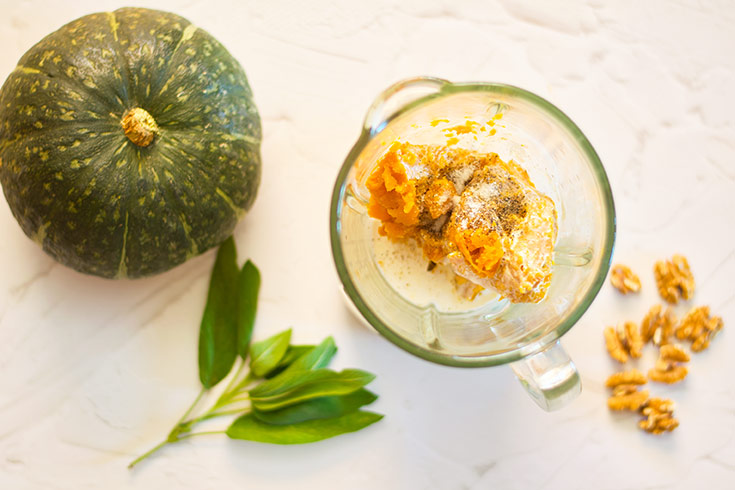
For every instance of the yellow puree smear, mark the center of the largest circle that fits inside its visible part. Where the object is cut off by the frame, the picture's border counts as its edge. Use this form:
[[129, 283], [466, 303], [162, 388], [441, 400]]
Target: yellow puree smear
[[476, 213]]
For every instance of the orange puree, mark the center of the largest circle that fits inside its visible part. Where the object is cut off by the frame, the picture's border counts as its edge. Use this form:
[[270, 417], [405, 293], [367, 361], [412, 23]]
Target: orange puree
[[476, 213], [393, 197], [481, 249]]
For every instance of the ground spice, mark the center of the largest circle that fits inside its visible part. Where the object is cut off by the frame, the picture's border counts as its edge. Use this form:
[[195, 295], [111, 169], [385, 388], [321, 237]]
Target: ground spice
[[469, 210]]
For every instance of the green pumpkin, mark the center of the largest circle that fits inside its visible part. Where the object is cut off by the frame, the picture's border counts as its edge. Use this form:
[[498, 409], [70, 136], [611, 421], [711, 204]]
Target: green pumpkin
[[129, 143]]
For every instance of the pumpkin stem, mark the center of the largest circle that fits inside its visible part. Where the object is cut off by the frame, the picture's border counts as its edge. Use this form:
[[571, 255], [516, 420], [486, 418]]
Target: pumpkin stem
[[139, 126]]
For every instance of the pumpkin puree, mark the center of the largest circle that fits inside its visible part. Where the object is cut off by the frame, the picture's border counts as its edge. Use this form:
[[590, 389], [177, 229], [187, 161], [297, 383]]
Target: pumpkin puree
[[393, 198], [478, 214]]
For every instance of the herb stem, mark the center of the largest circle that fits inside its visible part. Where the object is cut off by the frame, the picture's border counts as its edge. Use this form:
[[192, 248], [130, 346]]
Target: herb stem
[[214, 414], [173, 436], [236, 400], [147, 453], [230, 392], [246, 381], [169, 441], [234, 378], [180, 424], [194, 404], [203, 433], [229, 401]]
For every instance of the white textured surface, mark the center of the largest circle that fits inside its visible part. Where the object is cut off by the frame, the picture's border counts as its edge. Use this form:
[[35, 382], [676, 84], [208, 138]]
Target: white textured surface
[[93, 372]]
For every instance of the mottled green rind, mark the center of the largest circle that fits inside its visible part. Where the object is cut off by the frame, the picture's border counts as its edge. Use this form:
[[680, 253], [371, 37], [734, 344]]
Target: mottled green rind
[[93, 199]]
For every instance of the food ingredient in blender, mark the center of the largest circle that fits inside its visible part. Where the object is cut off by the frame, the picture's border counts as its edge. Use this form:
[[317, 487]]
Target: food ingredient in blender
[[472, 211], [624, 279]]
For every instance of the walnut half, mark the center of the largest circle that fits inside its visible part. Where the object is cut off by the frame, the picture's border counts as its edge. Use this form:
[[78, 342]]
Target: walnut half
[[658, 325], [627, 397], [668, 368], [674, 279], [632, 377], [659, 415], [624, 279], [674, 352], [625, 390], [699, 327], [623, 341]]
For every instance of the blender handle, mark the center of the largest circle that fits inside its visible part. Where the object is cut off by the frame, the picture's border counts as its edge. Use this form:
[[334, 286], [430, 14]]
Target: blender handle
[[549, 376], [398, 96]]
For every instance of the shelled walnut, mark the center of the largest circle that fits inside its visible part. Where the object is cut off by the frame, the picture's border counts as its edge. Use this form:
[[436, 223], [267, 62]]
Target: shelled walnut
[[674, 352], [632, 377], [674, 279], [699, 327], [668, 368], [625, 394], [627, 397], [624, 279], [659, 416], [624, 341], [658, 325]]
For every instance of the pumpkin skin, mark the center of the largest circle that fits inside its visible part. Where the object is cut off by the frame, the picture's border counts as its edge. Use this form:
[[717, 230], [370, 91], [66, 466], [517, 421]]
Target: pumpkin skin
[[84, 185]]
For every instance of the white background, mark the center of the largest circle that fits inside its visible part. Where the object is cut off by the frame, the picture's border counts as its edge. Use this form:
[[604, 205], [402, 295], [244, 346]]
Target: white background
[[93, 372]]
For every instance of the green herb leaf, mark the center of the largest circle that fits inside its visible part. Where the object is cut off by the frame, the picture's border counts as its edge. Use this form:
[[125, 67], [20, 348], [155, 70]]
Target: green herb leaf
[[293, 353], [318, 408], [218, 331], [306, 385], [249, 428], [314, 358], [319, 357], [266, 354], [247, 304], [292, 376]]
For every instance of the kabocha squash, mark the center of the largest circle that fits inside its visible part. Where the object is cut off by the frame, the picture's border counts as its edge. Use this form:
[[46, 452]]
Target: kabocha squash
[[129, 142]]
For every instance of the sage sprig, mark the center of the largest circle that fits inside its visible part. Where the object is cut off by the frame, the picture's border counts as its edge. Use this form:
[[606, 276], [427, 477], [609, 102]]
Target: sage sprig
[[279, 393]]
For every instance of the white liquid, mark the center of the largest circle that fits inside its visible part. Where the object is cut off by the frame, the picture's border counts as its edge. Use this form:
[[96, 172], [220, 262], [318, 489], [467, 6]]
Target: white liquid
[[404, 267]]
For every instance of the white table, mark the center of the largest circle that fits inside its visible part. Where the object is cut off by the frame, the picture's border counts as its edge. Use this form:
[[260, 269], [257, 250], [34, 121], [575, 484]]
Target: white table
[[93, 372]]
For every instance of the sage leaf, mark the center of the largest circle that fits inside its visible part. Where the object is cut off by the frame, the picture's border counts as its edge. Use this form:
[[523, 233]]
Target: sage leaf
[[319, 357], [292, 353], [218, 330], [266, 354], [306, 385], [248, 287], [250, 428], [316, 358], [318, 408], [289, 379]]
